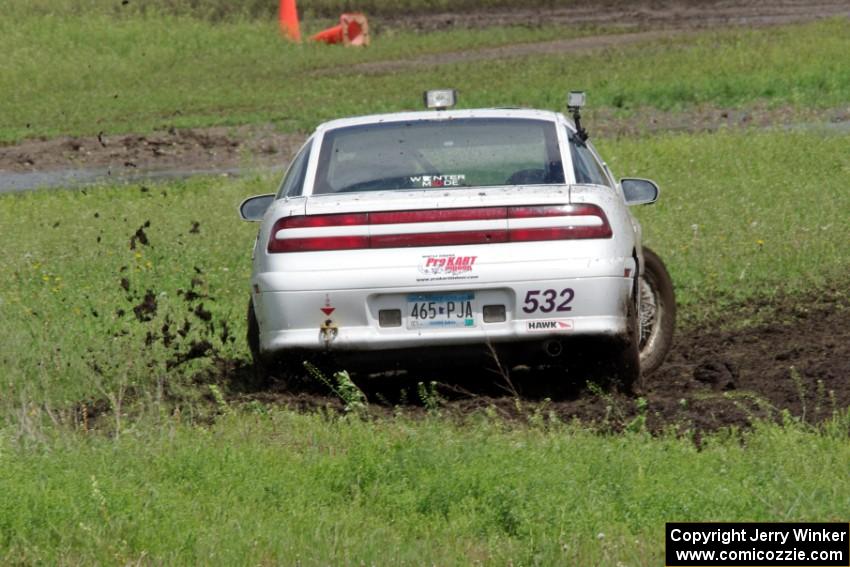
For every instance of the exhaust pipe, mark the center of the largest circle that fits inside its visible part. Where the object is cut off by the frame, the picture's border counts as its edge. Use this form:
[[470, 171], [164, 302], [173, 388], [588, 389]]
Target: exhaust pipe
[[553, 348]]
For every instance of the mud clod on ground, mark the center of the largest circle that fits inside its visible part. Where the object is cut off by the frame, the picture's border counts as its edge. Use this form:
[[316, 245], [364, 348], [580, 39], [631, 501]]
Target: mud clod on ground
[[197, 349], [201, 313], [140, 236], [146, 310]]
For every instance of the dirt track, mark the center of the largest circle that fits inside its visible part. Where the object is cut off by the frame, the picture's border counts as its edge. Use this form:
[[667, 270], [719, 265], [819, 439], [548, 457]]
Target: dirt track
[[205, 149], [639, 14]]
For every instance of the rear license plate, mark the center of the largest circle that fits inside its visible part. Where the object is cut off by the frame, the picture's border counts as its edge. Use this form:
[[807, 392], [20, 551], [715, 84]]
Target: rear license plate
[[441, 310]]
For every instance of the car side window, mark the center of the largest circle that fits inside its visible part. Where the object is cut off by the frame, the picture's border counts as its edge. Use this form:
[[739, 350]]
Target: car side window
[[587, 167], [293, 180]]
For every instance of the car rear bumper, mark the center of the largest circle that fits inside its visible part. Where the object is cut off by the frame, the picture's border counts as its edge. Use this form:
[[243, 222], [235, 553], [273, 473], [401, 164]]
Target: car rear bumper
[[348, 320]]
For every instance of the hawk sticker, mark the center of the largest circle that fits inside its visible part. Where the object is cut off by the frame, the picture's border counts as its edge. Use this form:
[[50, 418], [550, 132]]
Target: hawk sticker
[[549, 325]]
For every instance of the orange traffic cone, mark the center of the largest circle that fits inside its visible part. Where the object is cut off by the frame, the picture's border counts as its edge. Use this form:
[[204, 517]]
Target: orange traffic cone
[[353, 29], [289, 20]]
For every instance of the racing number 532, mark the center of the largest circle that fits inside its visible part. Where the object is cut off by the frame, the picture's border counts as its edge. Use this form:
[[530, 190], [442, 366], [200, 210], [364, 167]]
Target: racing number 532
[[548, 300]]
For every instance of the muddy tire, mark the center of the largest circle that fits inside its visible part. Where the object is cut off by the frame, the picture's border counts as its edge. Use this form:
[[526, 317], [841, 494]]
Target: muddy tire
[[611, 363], [281, 370], [657, 312], [626, 362], [261, 375]]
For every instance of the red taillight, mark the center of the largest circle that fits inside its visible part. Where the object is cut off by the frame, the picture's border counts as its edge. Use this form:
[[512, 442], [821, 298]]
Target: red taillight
[[317, 243], [589, 221], [559, 233], [316, 221], [351, 231]]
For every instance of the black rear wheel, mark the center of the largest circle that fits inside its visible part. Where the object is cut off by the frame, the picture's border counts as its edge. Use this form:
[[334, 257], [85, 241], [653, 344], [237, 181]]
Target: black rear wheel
[[609, 363], [625, 361], [284, 369], [261, 370], [657, 312]]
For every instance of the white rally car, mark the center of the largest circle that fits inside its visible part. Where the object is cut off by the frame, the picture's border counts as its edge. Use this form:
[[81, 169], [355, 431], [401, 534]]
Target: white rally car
[[403, 238]]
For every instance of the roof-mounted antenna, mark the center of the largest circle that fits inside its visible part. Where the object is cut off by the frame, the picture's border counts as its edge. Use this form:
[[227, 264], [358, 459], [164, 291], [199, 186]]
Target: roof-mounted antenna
[[575, 100]]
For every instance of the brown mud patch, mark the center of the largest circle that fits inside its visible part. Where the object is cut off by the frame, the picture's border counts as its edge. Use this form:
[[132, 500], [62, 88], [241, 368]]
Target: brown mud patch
[[607, 122], [217, 148], [797, 364]]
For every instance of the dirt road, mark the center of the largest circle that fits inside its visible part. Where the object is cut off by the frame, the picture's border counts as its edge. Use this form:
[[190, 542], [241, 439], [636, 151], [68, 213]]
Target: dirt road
[[693, 14]]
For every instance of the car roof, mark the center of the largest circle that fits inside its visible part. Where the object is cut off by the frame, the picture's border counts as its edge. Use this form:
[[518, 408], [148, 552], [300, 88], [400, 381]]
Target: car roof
[[525, 113]]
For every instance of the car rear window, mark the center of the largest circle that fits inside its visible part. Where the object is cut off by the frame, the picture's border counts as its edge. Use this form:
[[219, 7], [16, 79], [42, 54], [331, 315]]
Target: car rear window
[[425, 154]]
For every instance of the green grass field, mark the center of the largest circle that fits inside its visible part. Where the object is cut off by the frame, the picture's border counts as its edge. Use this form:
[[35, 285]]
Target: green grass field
[[138, 74], [742, 216], [279, 488], [83, 75], [166, 466]]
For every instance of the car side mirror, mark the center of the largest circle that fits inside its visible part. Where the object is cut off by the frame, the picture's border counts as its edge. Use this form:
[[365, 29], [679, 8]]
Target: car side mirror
[[253, 208], [639, 191]]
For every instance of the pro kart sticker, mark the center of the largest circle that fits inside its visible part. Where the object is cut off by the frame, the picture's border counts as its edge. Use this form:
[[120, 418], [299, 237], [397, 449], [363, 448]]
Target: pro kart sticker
[[447, 267], [549, 325], [438, 180]]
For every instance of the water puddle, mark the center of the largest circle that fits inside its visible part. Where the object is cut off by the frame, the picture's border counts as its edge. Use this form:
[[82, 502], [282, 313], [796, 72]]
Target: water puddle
[[11, 182], [833, 127]]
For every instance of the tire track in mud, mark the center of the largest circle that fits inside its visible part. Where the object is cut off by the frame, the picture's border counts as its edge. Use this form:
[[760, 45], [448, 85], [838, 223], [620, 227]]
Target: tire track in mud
[[629, 13], [799, 363], [572, 45]]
